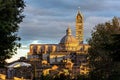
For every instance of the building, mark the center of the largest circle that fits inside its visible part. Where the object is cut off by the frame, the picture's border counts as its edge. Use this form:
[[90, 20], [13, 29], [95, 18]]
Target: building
[[69, 56], [69, 48]]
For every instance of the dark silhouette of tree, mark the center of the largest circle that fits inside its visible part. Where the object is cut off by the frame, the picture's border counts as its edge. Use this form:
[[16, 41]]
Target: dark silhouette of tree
[[104, 50], [46, 77], [10, 18], [62, 77], [115, 48], [82, 77]]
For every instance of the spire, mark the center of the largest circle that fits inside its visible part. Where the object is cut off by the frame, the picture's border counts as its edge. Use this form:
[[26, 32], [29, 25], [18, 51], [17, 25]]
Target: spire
[[79, 26], [68, 31], [78, 10], [79, 13]]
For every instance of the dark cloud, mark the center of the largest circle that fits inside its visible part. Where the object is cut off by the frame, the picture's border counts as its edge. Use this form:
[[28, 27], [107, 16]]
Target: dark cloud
[[91, 22], [47, 20]]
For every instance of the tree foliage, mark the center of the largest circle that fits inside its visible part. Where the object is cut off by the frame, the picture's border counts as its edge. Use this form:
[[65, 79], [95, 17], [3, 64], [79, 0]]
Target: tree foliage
[[46, 77], [115, 48], [55, 77], [104, 49], [10, 18]]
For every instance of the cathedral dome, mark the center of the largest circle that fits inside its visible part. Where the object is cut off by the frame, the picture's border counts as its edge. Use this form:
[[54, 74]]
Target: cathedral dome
[[68, 41], [68, 38]]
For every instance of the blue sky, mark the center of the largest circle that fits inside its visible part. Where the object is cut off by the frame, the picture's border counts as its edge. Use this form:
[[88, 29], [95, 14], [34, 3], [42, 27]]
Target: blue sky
[[46, 20]]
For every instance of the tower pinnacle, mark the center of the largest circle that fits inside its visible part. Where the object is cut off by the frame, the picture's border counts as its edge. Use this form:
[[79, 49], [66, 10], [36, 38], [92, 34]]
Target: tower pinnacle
[[79, 26], [78, 9]]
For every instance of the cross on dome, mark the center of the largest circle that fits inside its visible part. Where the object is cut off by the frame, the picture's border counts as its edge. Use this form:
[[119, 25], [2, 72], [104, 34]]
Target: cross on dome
[[68, 31]]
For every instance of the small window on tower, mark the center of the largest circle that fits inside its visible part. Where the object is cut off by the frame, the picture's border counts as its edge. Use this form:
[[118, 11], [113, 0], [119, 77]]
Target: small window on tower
[[79, 32], [80, 27]]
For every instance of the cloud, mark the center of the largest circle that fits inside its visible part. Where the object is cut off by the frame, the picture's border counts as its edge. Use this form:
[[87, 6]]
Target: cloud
[[91, 22], [20, 53], [47, 20], [92, 5], [35, 42]]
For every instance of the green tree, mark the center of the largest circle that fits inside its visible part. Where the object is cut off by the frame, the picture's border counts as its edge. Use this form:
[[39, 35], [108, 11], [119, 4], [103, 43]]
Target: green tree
[[62, 77], [45, 77], [115, 47], [115, 54], [103, 50], [82, 77], [10, 18]]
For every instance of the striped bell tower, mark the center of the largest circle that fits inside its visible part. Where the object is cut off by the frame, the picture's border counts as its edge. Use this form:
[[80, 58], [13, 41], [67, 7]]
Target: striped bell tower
[[79, 27]]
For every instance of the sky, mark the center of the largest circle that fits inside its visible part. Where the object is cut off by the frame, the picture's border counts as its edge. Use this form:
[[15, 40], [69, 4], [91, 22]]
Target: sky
[[46, 20]]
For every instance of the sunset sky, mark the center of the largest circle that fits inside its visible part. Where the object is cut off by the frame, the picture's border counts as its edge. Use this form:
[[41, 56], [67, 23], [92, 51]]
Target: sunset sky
[[46, 20]]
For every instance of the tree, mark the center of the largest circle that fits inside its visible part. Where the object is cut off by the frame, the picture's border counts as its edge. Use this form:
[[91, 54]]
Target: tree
[[45, 77], [82, 77], [62, 76], [115, 47], [10, 18], [103, 50]]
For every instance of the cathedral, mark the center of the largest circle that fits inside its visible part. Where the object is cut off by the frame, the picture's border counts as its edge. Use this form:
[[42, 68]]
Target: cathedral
[[70, 49], [68, 57]]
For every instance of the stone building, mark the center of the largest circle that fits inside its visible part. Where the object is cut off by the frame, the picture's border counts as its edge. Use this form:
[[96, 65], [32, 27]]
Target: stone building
[[69, 47], [69, 56]]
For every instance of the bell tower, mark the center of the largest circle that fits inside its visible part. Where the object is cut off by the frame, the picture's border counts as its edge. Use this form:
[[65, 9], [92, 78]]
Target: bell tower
[[79, 27]]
